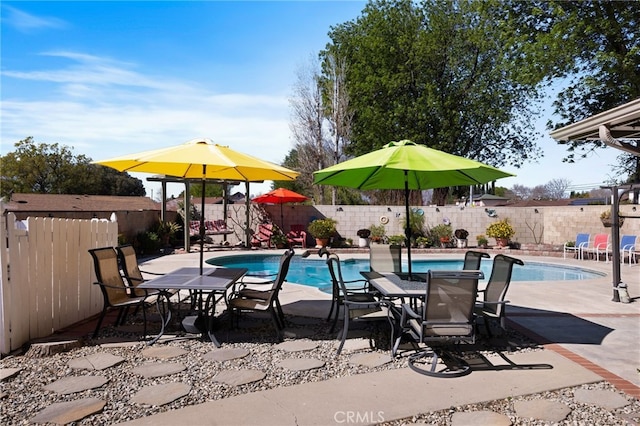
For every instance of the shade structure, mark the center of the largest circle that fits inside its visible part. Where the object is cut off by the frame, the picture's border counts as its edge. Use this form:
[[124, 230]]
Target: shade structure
[[407, 165], [280, 196], [202, 159]]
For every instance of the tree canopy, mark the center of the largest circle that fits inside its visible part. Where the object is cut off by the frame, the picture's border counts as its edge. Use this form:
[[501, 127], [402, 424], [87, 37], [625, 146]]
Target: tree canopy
[[600, 56], [54, 169], [440, 73]]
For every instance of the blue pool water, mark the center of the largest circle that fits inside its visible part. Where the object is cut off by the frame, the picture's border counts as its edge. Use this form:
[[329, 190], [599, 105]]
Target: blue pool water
[[314, 272]]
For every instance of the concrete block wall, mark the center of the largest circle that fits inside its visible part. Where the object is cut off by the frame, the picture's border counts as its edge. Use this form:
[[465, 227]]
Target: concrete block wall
[[533, 225]]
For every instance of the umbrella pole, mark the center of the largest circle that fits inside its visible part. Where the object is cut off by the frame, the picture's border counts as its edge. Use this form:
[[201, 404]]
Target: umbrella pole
[[204, 181], [281, 218], [407, 230]]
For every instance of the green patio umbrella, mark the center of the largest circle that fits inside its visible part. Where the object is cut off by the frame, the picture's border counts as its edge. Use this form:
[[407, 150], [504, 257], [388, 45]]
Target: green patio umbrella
[[407, 165]]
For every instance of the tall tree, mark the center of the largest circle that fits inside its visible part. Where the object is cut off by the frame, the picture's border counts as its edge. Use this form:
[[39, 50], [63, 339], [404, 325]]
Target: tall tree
[[597, 46], [54, 169], [440, 73], [309, 127], [339, 114]]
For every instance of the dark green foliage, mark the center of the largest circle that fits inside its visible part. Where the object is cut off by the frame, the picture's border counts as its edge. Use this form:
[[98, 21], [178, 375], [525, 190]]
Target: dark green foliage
[[441, 74], [53, 169]]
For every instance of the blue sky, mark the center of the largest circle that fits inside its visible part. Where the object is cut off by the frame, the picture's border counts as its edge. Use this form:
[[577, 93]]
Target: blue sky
[[114, 78]]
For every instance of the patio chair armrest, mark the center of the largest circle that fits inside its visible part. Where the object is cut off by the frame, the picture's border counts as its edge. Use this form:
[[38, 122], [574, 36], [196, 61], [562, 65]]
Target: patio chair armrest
[[117, 288], [152, 273], [257, 276], [501, 302], [407, 314], [363, 282], [133, 279]]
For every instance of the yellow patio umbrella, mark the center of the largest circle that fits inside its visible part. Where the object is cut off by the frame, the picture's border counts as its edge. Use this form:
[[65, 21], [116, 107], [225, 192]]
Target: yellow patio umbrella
[[201, 159]]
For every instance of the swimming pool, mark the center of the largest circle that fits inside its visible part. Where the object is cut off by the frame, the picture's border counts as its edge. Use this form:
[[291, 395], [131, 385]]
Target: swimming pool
[[314, 272]]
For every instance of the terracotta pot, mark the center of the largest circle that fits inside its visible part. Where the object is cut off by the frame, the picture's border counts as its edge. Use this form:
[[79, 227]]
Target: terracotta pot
[[322, 242], [502, 242]]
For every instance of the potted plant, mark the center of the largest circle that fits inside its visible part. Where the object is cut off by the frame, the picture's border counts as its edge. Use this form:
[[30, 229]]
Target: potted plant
[[502, 231], [377, 233], [461, 237], [278, 238], [363, 237], [441, 234], [396, 240], [423, 242], [607, 221], [482, 241], [322, 230], [166, 232]]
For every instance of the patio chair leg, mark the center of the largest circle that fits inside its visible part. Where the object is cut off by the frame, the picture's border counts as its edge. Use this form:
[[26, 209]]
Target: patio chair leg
[[280, 313], [144, 322], [276, 323], [335, 318], [102, 314], [333, 302], [345, 331]]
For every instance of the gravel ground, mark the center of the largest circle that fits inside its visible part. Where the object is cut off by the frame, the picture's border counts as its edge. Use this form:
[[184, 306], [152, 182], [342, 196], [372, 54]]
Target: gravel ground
[[23, 396]]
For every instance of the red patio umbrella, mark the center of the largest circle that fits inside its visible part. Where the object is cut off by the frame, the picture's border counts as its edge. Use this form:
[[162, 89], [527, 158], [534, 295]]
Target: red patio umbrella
[[280, 196]]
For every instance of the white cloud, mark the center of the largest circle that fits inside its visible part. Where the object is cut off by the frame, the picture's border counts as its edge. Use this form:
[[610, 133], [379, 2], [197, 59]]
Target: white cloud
[[28, 23], [104, 108]]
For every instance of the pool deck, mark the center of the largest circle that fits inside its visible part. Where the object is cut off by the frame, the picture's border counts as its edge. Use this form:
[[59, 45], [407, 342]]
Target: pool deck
[[586, 336], [577, 319]]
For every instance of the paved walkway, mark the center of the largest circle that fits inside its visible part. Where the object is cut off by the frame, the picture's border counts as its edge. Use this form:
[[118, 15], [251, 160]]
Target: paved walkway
[[587, 336]]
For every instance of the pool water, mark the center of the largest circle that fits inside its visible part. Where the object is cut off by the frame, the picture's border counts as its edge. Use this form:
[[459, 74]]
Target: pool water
[[314, 272]]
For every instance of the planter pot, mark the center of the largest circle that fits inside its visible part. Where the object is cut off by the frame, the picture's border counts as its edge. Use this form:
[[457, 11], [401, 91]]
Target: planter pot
[[608, 223], [502, 242], [363, 242], [462, 243], [322, 242]]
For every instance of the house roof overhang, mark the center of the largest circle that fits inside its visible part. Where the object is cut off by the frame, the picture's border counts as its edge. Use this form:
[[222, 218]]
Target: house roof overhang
[[622, 122]]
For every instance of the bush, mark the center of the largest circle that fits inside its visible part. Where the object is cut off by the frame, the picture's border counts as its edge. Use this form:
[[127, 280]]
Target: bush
[[440, 232], [322, 228], [378, 233], [147, 243], [501, 229], [396, 240]]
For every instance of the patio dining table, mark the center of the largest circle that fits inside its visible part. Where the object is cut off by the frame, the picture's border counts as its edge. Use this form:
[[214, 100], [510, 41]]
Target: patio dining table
[[213, 281], [393, 285]]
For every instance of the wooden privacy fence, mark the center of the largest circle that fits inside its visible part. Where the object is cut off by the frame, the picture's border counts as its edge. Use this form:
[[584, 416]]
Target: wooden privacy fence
[[47, 275]]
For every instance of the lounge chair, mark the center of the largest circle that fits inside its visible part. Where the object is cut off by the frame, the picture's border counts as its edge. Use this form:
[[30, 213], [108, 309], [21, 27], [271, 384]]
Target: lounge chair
[[473, 259], [263, 235], [627, 247], [216, 227], [492, 305], [598, 247], [265, 299], [446, 319], [385, 258], [356, 302], [114, 291], [578, 247], [194, 228], [297, 236]]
